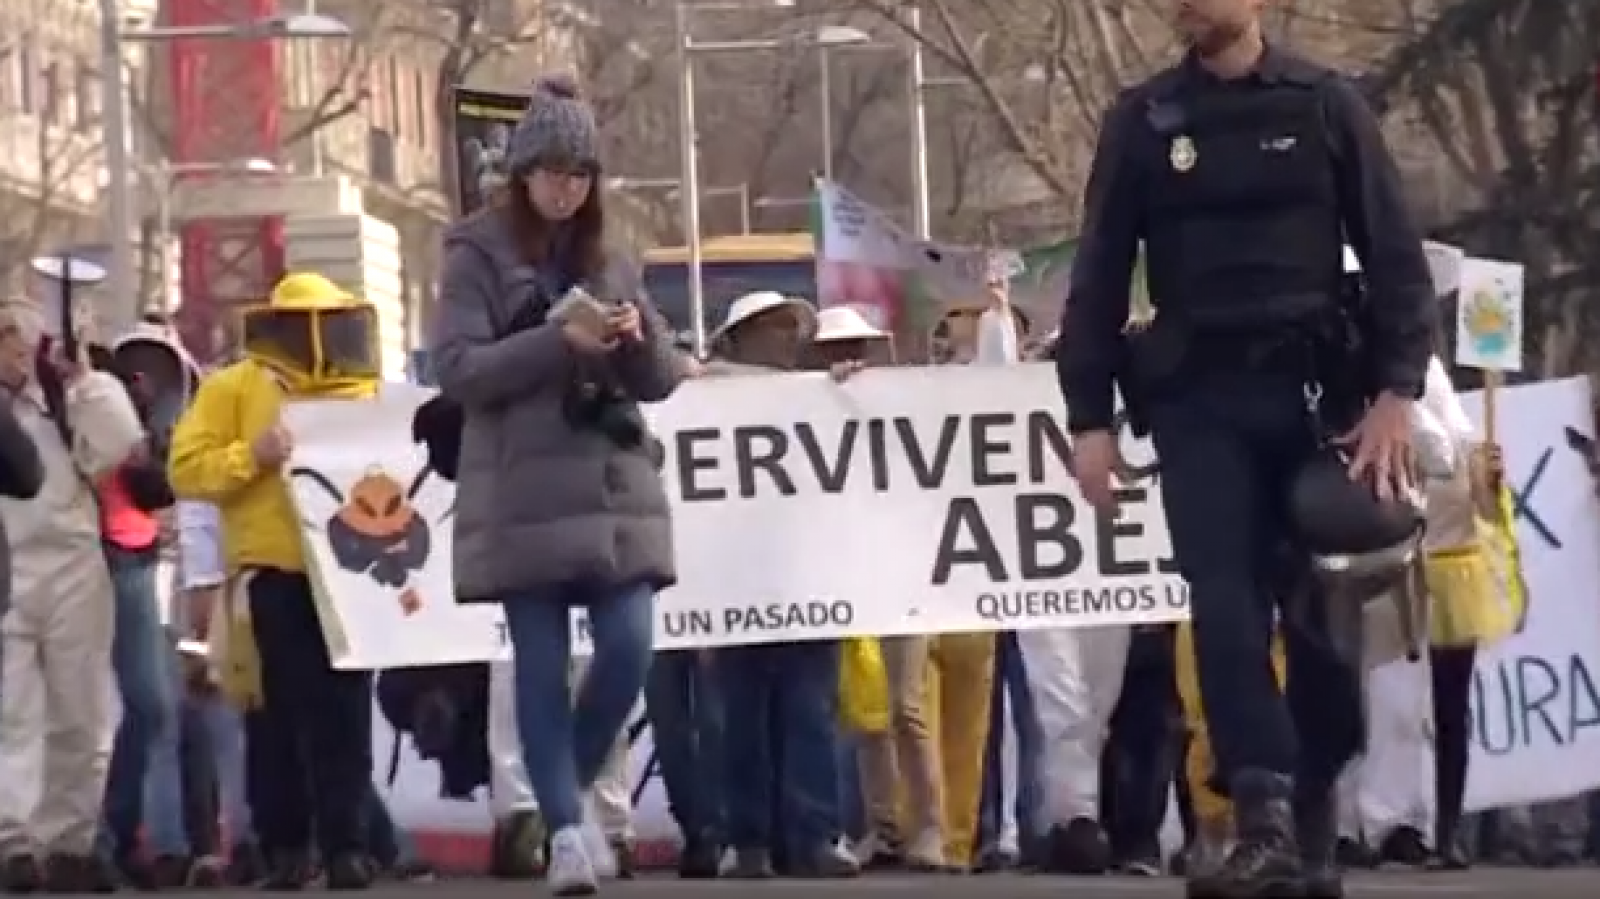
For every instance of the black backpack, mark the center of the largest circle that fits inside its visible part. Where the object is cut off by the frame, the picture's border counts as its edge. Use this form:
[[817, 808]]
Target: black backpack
[[445, 710]]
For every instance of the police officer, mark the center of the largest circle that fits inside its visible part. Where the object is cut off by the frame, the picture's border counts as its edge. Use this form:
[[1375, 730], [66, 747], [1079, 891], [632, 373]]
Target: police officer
[[1242, 170]]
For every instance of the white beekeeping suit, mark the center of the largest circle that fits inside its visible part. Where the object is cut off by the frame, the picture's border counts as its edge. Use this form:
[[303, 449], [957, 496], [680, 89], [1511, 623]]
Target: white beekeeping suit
[[1074, 674], [59, 710]]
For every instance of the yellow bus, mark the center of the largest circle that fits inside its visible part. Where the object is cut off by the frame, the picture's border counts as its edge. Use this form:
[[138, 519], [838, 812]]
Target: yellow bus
[[730, 267]]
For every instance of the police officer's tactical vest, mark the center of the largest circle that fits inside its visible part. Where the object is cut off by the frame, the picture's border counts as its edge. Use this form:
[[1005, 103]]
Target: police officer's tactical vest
[[1243, 204]]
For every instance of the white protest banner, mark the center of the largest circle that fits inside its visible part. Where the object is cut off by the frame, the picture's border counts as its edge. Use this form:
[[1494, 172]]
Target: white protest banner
[[1536, 700], [904, 501], [378, 526], [1489, 315], [1536, 694]]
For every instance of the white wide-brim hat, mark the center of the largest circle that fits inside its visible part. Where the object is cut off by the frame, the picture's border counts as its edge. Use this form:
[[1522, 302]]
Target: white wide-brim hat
[[756, 302], [846, 323]]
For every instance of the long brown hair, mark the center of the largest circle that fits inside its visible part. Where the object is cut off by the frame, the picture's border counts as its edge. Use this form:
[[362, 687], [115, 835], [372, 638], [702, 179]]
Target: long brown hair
[[533, 232]]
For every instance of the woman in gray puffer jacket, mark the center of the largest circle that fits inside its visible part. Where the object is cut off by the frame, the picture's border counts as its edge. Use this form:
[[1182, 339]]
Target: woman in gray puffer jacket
[[559, 502]]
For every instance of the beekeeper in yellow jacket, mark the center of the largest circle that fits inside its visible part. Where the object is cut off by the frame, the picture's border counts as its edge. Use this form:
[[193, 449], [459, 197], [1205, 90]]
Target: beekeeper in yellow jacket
[[307, 726]]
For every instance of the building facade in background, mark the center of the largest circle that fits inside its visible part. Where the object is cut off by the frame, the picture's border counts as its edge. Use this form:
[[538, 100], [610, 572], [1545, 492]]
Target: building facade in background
[[51, 158]]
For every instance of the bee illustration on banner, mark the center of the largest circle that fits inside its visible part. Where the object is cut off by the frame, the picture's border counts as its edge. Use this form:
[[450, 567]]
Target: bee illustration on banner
[[376, 528]]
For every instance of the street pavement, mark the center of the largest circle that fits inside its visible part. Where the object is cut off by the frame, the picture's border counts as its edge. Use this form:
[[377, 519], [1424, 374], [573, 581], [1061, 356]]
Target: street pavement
[[1501, 883]]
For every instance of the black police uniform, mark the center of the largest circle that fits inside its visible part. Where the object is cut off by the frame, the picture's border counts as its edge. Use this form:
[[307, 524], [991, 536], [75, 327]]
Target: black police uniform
[[1243, 193]]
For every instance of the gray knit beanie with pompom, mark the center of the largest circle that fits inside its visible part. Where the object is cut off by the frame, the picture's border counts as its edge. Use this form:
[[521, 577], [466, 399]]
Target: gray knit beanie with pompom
[[558, 128]]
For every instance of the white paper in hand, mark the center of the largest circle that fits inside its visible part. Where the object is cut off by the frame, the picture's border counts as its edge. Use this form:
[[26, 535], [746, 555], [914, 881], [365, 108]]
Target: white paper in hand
[[581, 308]]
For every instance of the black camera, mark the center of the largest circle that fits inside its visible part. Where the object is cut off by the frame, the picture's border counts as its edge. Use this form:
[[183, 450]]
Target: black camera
[[604, 408], [596, 406]]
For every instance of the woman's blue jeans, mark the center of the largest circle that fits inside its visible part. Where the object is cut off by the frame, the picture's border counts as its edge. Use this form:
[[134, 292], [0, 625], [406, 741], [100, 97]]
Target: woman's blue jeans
[[565, 741], [145, 784]]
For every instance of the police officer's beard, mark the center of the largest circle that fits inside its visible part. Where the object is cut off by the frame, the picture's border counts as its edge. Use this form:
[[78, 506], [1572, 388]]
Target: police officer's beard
[[1217, 38]]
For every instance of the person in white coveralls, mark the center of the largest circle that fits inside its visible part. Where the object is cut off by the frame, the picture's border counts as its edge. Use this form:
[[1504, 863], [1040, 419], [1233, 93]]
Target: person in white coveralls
[[59, 710], [1075, 676]]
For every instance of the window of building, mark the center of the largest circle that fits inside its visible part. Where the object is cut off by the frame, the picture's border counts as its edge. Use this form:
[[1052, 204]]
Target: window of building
[[27, 94], [55, 101], [378, 96], [422, 87], [87, 87], [396, 102], [8, 78]]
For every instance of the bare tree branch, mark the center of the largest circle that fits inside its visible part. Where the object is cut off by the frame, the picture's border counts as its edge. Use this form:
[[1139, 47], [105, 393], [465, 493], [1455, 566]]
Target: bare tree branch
[[44, 211]]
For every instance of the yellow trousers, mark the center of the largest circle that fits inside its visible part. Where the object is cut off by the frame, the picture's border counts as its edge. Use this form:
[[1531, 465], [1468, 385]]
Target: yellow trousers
[[927, 772], [1199, 763]]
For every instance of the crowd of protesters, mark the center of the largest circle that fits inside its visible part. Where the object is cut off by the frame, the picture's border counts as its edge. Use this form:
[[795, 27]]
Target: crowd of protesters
[[221, 746], [166, 803]]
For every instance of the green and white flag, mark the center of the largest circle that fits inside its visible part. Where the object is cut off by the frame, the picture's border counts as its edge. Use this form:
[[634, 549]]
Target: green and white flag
[[867, 260]]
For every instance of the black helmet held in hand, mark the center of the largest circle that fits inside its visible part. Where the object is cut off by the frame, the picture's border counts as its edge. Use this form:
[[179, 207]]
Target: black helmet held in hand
[[1363, 550], [1335, 516]]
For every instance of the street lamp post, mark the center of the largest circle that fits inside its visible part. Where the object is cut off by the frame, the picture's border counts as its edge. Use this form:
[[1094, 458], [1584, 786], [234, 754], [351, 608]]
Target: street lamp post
[[825, 93], [114, 99], [689, 200], [689, 138], [919, 130]]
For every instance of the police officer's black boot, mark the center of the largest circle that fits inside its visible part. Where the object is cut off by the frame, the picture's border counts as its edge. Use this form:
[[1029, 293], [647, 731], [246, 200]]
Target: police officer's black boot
[[1265, 862], [1316, 822]]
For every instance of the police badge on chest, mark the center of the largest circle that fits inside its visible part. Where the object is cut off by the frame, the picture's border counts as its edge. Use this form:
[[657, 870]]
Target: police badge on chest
[[1182, 153]]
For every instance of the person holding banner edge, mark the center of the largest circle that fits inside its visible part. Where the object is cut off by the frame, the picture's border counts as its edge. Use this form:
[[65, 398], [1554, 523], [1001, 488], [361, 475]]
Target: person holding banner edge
[[784, 756], [1240, 169], [559, 500]]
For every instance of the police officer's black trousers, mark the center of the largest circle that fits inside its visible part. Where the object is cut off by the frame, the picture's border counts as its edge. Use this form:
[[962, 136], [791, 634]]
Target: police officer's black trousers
[[1228, 444], [308, 748]]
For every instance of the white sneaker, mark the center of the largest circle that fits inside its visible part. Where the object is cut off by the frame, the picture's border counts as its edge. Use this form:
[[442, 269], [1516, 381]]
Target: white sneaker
[[868, 848], [595, 841], [926, 852], [598, 847], [1010, 842], [571, 872]]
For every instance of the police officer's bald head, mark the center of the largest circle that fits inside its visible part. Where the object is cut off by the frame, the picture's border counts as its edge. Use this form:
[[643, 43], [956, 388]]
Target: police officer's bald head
[[1212, 25]]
